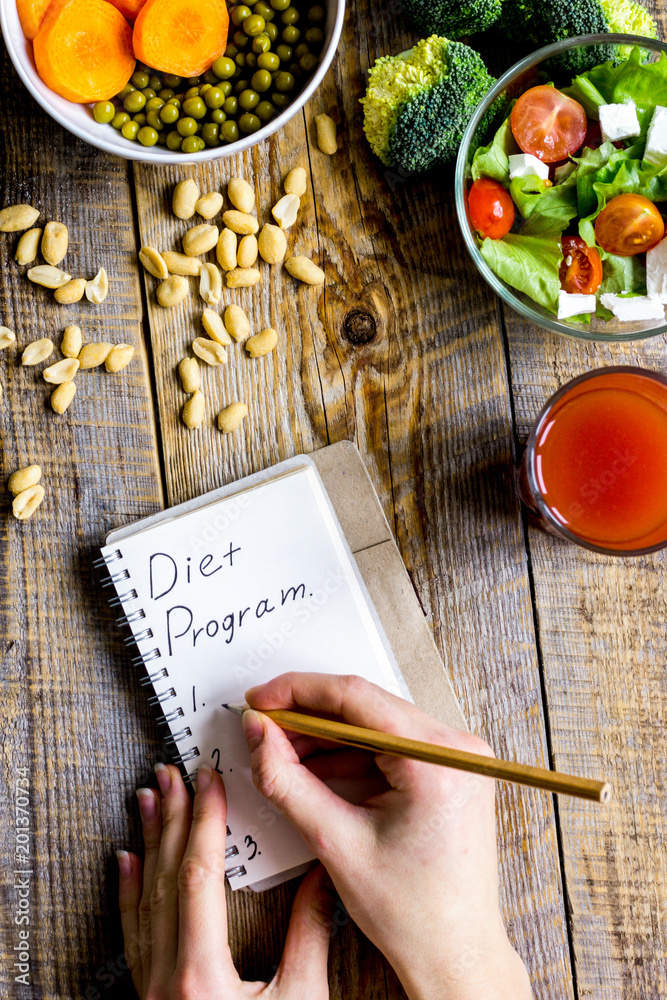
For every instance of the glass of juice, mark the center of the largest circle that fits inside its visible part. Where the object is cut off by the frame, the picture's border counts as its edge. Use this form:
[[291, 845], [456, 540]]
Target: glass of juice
[[595, 466]]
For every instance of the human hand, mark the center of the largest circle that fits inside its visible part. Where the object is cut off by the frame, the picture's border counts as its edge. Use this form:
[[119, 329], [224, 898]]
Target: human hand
[[174, 915], [415, 865]]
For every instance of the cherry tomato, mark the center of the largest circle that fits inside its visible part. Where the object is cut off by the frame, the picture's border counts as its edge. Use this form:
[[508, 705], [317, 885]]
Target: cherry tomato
[[548, 124], [491, 208], [629, 224], [583, 273]]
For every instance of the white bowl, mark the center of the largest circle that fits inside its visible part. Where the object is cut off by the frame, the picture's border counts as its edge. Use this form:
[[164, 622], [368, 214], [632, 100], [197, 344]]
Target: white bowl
[[78, 118]]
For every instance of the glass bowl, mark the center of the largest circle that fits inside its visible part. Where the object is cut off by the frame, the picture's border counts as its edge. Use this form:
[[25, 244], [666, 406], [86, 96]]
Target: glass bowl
[[527, 73]]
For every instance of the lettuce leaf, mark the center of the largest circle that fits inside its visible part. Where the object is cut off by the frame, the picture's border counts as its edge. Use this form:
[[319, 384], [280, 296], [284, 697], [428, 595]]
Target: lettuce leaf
[[528, 263], [645, 83], [620, 275], [492, 160]]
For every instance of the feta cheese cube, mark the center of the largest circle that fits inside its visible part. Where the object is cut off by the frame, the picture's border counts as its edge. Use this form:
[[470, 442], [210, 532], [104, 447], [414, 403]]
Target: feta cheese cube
[[618, 121], [656, 139], [633, 308], [656, 271], [575, 304], [527, 165]]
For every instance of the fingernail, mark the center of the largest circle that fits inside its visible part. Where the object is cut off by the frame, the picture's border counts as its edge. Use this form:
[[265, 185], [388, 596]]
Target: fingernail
[[163, 777], [124, 864], [147, 803], [204, 777], [252, 729]]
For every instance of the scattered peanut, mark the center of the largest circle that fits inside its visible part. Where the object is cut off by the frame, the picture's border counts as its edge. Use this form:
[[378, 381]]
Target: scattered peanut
[[304, 270], [24, 478], [209, 351], [153, 262], [180, 263], [262, 343], [27, 502], [242, 277], [188, 370], [214, 327], [184, 198], [71, 292], [210, 284], [38, 350], [119, 357], [209, 205], [326, 134], [247, 251], [296, 182], [98, 287], [62, 396], [54, 242], [192, 413], [272, 244], [226, 250], [48, 276], [172, 290], [241, 194], [61, 371], [7, 337], [236, 323], [27, 247], [71, 343], [199, 240], [240, 222], [14, 218], [231, 417], [93, 355], [286, 210]]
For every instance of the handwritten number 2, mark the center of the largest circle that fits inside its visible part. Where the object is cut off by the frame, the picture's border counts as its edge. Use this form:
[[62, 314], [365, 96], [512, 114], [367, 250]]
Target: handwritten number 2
[[216, 757], [250, 843]]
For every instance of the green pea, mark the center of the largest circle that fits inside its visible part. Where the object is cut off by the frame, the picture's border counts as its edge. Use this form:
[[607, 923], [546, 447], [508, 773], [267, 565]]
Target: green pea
[[291, 35], [254, 25], [130, 130], [226, 87], [204, 87], [169, 114], [140, 79], [193, 81], [154, 104], [239, 14], [147, 136], [284, 53], [229, 131], [263, 10], [119, 119], [248, 99], [140, 119], [186, 126], [192, 92], [174, 140], [268, 61], [316, 14], [261, 43], [249, 123], [210, 77], [165, 94], [148, 92], [296, 71], [241, 86], [214, 97], [153, 119], [301, 50], [272, 32], [290, 16], [284, 81], [241, 40], [265, 111], [190, 144], [162, 138], [134, 102], [103, 112], [175, 101], [218, 116], [171, 80], [155, 82], [251, 60], [209, 134], [280, 100], [127, 89], [261, 81], [314, 36], [280, 4], [194, 107], [223, 67], [230, 51], [308, 62], [231, 105], [240, 60]]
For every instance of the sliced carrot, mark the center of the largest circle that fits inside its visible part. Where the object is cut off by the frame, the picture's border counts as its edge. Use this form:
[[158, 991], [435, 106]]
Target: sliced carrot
[[31, 13], [83, 50], [180, 36], [128, 8]]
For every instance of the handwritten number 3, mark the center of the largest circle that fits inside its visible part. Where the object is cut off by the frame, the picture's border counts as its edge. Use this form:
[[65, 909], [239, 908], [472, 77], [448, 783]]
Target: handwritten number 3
[[249, 842]]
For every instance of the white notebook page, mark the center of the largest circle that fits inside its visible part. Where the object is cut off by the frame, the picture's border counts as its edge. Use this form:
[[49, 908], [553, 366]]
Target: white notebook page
[[233, 594]]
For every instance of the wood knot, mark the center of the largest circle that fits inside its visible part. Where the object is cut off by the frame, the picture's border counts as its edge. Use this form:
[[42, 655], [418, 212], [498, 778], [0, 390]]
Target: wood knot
[[360, 327]]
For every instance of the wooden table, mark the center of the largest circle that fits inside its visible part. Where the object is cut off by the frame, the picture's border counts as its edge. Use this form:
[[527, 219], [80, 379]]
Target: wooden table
[[557, 655]]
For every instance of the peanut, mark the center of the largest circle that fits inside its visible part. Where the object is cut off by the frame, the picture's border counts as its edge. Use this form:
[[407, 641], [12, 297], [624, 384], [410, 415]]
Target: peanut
[[247, 251], [38, 350], [209, 351], [214, 327], [236, 323], [97, 288], [188, 369], [296, 182], [54, 242], [262, 343], [231, 417], [199, 240], [226, 250], [71, 343], [24, 478], [272, 244], [184, 198], [61, 371], [209, 205], [14, 218], [193, 410], [286, 210], [62, 396], [326, 134], [304, 270], [153, 262], [242, 277], [71, 292], [93, 355], [240, 222], [7, 337], [119, 357], [172, 290], [241, 194], [48, 276], [210, 284], [180, 263], [27, 247], [27, 502]]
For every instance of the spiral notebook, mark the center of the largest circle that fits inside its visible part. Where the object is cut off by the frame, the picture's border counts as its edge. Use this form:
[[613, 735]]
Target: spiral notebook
[[240, 585]]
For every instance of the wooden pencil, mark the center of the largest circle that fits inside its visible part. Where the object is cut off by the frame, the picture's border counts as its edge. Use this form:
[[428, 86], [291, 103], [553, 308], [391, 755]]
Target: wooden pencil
[[398, 746]]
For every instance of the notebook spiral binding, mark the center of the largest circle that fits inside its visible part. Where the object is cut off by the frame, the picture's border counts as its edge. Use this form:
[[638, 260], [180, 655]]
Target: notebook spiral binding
[[172, 741]]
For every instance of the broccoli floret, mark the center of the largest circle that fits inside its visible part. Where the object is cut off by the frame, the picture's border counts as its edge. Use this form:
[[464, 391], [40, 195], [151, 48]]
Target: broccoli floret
[[452, 18], [417, 104]]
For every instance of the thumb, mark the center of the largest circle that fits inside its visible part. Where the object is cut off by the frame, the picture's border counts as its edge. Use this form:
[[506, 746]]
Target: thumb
[[302, 973]]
